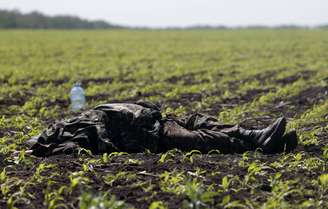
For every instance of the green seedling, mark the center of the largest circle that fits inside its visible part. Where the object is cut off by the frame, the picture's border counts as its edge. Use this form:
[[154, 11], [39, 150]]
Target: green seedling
[[110, 179], [89, 200]]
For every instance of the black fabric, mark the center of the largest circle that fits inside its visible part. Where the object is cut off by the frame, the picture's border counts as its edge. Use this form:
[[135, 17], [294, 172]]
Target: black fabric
[[202, 132], [135, 128]]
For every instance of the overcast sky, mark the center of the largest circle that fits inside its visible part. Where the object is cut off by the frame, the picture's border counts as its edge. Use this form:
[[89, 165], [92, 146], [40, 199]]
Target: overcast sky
[[161, 13]]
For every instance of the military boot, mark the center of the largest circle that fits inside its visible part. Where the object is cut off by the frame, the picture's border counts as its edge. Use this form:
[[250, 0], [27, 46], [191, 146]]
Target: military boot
[[268, 139], [290, 141]]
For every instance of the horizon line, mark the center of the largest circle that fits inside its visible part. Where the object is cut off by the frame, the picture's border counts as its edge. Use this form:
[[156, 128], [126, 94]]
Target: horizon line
[[172, 27]]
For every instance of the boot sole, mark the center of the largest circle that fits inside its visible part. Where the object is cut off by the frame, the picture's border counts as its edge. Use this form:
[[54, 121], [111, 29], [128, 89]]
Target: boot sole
[[276, 136], [290, 140]]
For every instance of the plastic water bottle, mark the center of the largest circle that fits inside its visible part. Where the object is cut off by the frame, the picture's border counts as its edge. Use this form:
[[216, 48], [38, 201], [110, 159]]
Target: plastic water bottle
[[77, 97]]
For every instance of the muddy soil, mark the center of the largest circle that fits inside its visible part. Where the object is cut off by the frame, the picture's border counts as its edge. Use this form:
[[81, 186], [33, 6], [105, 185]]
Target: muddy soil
[[295, 105], [291, 107], [253, 94], [148, 171]]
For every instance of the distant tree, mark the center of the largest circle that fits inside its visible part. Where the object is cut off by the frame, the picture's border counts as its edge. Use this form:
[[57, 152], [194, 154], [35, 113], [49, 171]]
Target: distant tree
[[15, 19], [37, 20]]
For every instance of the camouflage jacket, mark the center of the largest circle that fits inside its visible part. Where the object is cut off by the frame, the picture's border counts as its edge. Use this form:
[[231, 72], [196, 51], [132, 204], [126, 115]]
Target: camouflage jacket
[[106, 128]]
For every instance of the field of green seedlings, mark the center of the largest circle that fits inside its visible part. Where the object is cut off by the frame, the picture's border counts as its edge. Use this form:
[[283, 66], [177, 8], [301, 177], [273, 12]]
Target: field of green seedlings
[[239, 76]]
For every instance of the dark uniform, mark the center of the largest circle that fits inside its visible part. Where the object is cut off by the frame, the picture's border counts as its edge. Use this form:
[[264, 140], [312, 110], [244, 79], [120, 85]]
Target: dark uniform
[[137, 127]]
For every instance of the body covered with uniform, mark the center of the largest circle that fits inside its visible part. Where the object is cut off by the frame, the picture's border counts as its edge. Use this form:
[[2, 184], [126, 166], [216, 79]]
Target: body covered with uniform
[[136, 127]]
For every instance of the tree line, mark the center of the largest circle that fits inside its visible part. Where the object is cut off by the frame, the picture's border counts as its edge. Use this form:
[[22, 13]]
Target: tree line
[[16, 19], [35, 20]]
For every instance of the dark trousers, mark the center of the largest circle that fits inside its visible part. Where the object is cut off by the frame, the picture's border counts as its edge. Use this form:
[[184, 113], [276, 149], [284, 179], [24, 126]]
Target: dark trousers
[[203, 133], [94, 130]]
